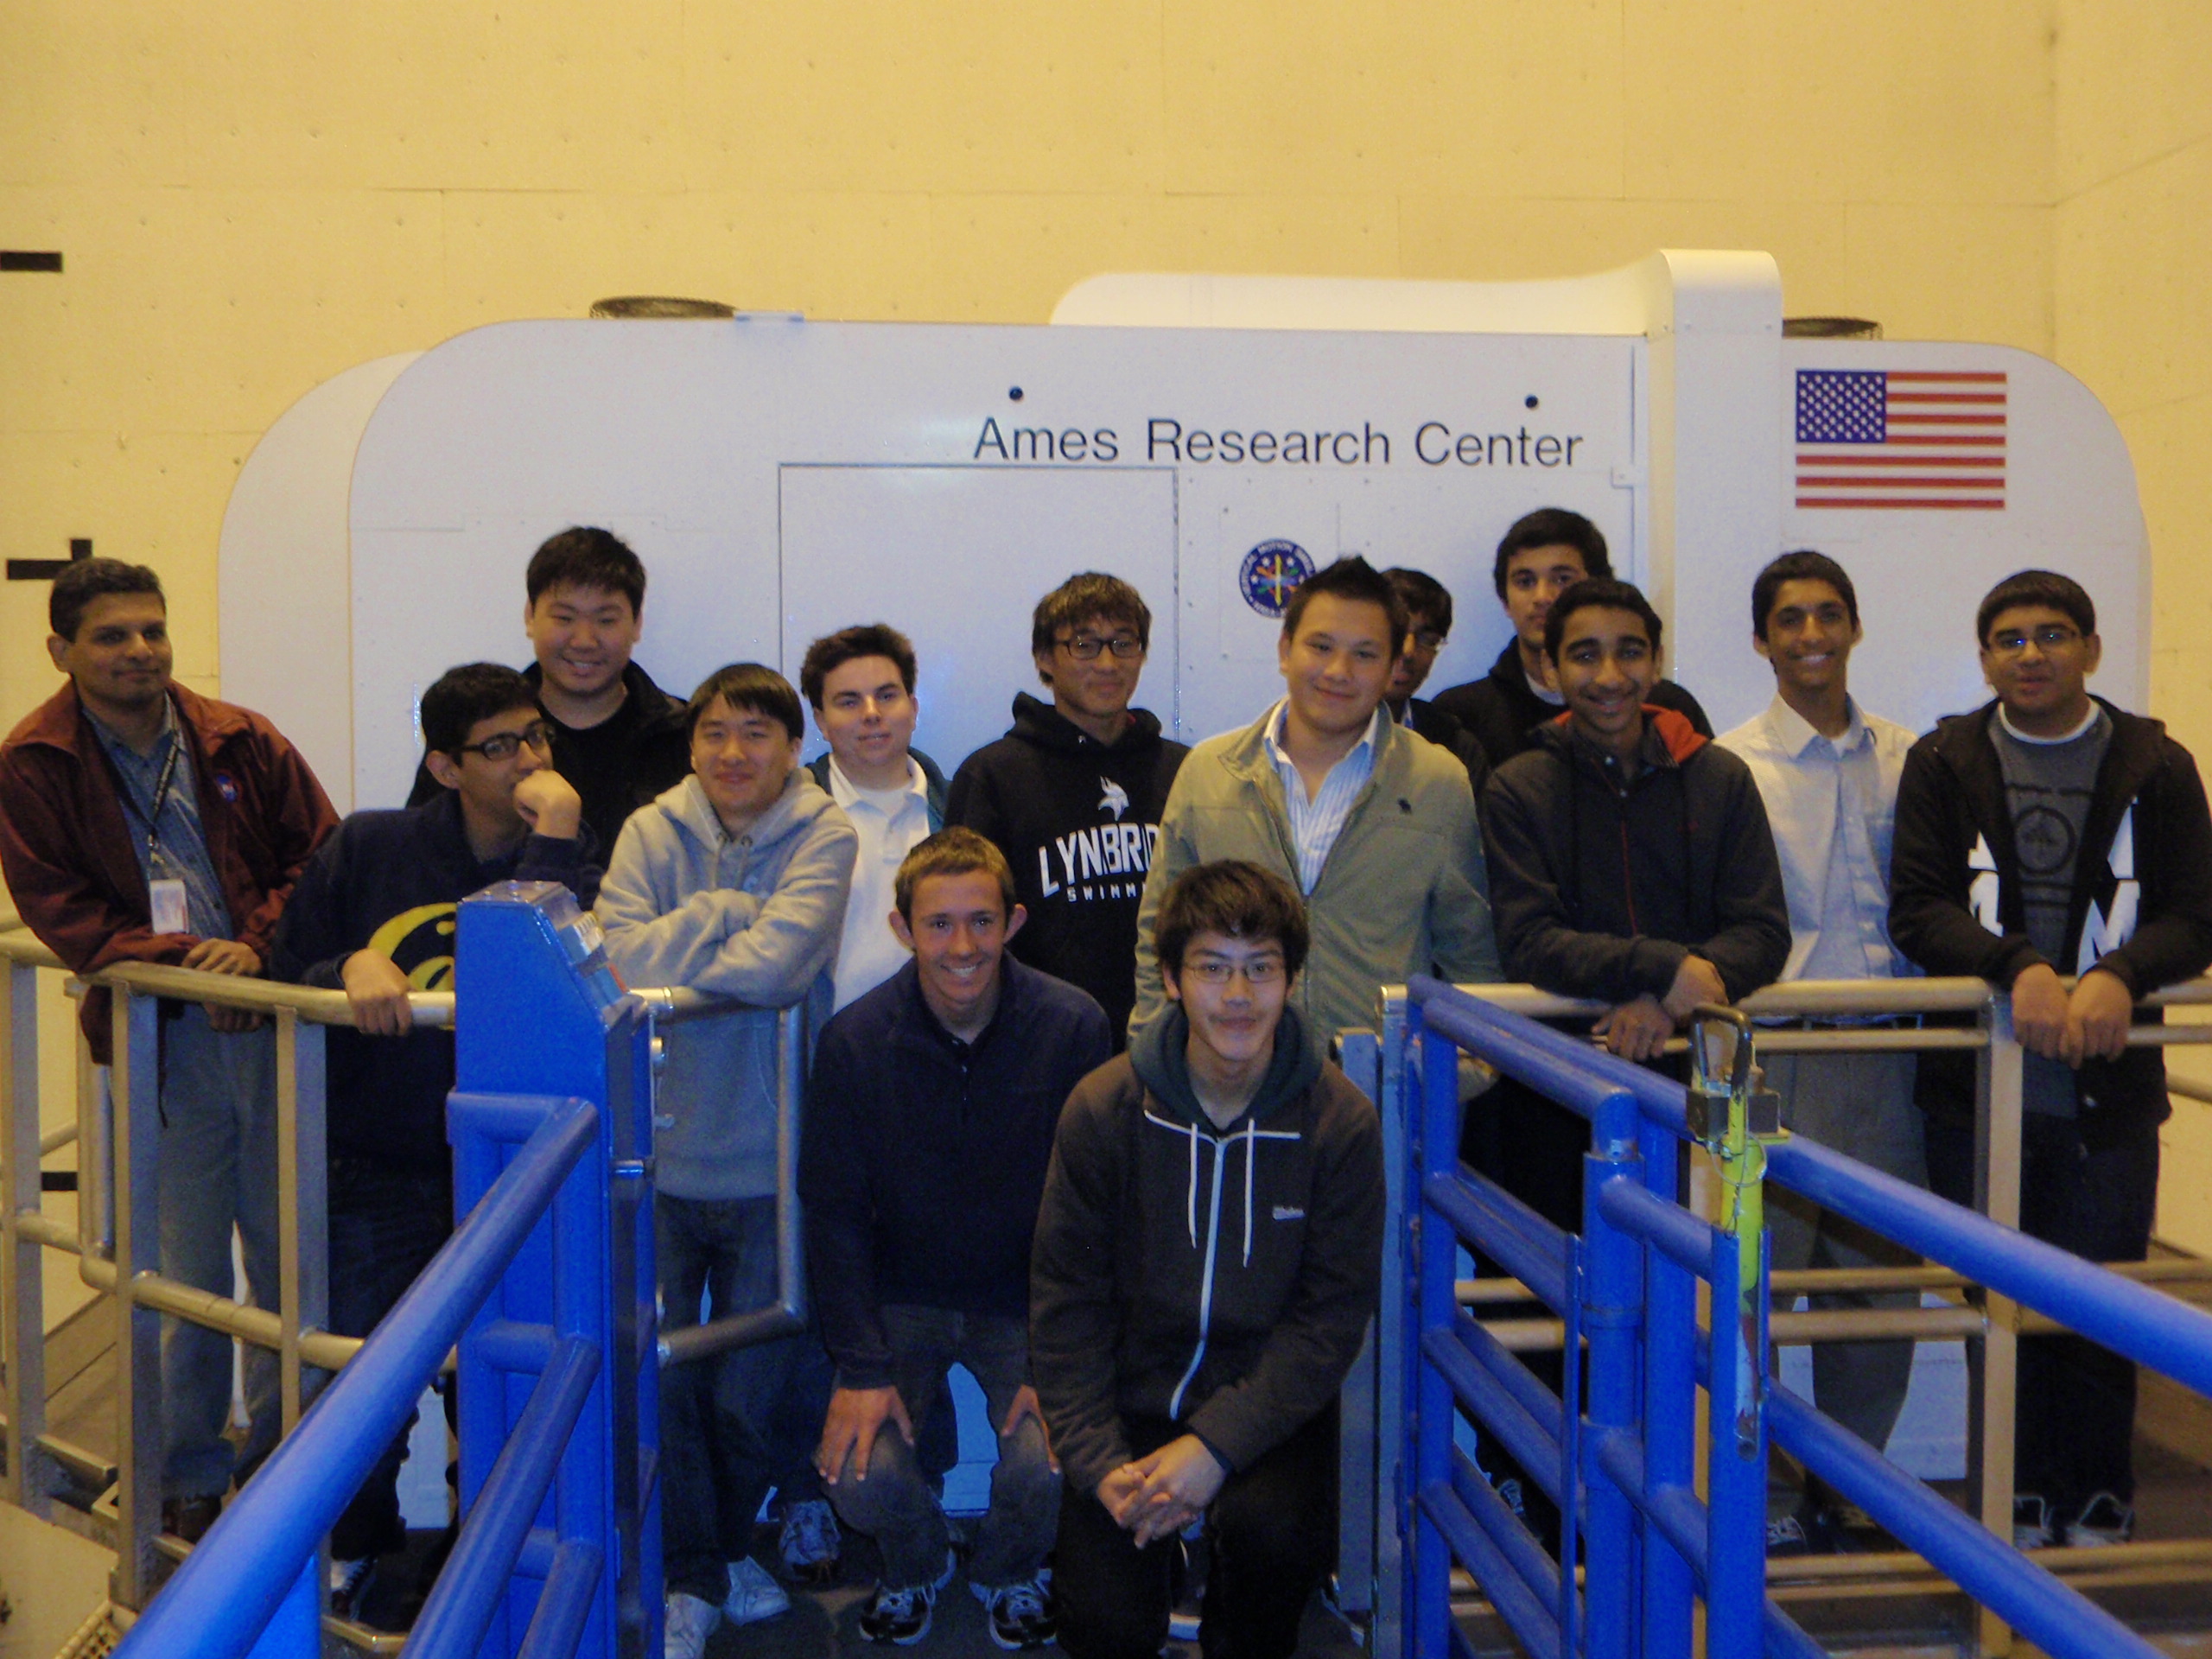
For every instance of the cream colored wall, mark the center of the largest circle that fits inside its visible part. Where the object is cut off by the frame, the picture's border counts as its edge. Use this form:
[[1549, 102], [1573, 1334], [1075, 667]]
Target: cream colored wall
[[2131, 239]]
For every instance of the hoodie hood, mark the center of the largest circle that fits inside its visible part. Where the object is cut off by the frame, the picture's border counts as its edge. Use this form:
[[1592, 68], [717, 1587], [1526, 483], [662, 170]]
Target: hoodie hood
[[802, 802], [1668, 737], [1037, 721], [1157, 1054]]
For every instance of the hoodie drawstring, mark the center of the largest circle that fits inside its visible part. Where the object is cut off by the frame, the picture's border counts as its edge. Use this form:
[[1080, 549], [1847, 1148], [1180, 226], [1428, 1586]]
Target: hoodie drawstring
[[1191, 1202], [1249, 1138]]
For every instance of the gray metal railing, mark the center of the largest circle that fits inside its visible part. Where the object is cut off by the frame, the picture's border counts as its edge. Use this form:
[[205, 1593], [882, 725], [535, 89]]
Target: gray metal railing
[[114, 1237]]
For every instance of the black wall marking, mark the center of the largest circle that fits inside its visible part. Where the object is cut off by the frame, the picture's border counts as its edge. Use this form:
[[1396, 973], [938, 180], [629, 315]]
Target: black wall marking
[[81, 547], [17, 259]]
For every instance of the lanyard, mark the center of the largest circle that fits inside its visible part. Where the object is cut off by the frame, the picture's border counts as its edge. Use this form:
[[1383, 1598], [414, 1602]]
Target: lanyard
[[161, 799]]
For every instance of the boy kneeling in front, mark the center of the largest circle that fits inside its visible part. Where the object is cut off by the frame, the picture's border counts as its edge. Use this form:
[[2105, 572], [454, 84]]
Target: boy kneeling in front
[[1207, 1257]]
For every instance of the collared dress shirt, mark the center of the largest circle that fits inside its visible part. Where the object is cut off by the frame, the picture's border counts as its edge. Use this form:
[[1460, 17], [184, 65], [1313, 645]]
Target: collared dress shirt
[[1832, 804], [179, 851], [1315, 824], [890, 822]]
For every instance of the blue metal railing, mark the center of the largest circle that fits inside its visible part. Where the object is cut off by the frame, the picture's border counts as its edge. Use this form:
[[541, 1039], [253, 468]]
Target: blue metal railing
[[1627, 1290], [253, 1561]]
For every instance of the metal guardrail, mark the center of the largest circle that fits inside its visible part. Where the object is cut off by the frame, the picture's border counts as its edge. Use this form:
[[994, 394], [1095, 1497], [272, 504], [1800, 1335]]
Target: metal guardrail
[[2128, 1317], [115, 1236], [1375, 1412]]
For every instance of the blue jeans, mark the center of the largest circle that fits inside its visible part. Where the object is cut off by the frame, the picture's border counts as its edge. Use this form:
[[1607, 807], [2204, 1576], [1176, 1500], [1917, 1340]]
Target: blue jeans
[[386, 1222], [897, 1504], [217, 1170], [737, 1424]]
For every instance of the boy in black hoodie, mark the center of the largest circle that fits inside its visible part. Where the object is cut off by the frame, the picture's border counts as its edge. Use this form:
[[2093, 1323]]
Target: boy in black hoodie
[[2050, 831], [1208, 1254], [1073, 794]]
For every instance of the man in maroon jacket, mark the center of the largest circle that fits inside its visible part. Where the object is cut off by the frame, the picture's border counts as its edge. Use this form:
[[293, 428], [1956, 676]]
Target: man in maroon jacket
[[142, 822]]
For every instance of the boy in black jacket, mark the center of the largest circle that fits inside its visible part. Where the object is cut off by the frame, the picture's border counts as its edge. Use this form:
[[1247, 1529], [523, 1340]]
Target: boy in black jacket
[[374, 916], [1073, 794], [929, 1122], [1208, 1254], [2049, 830], [1629, 861]]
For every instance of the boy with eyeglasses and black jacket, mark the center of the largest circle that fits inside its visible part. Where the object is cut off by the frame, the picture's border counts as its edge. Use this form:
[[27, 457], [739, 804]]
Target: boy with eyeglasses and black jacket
[[2050, 832]]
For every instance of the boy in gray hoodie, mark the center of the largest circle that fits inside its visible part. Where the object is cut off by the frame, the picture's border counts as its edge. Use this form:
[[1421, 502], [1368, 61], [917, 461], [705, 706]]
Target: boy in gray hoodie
[[733, 883]]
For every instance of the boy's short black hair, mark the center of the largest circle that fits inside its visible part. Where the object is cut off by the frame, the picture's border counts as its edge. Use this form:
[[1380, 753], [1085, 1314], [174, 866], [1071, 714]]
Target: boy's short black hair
[[83, 580], [461, 696], [1350, 578], [584, 555], [1080, 597], [753, 687], [1237, 900], [953, 850], [833, 651], [1599, 592], [2036, 588], [1803, 565], [1553, 527], [1421, 594]]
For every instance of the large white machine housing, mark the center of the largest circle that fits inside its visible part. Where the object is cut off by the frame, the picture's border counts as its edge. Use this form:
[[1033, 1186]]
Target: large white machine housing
[[1205, 437]]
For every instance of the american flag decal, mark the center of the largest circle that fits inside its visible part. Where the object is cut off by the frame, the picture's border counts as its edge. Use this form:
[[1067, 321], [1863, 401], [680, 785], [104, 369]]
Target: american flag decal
[[1921, 440]]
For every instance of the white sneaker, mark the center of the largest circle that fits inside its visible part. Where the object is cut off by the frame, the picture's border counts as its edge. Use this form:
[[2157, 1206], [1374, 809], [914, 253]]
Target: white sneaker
[[691, 1621], [754, 1596]]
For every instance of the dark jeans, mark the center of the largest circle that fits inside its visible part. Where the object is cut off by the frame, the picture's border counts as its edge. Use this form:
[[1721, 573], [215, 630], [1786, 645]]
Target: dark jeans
[[737, 1424], [386, 1222], [2074, 1406], [897, 1504], [1274, 1532]]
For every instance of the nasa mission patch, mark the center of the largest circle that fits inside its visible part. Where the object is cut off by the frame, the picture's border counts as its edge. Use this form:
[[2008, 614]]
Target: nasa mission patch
[[1270, 572]]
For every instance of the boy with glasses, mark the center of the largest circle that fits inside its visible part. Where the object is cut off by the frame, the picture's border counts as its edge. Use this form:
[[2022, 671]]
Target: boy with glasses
[[1188, 1349], [1428, 625], [2050, 832], [1072, 795], [373, 916]]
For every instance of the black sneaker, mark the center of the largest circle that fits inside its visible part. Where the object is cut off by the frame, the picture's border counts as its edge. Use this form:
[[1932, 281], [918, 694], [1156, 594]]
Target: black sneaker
[[189, 1519], [1785, 1537], [2104, 1520], [349, 1587], [2031, 1527], [1021, 1613], [901, 1616]]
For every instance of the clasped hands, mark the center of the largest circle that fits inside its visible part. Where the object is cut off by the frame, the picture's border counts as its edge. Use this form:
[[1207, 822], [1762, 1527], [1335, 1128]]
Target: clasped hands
[[1638, 1030], [1157, 1496], [2089, 1024]]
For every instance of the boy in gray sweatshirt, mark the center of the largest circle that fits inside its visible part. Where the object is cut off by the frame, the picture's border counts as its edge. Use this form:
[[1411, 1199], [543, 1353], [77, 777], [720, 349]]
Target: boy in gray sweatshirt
[[733, 883]]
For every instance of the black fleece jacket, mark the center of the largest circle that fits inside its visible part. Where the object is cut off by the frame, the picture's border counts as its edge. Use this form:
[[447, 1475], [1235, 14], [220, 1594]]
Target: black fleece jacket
[[1223, 1278], [1601, 891], [1951, 803], [1504, 715], [1077, 820], [923, 1156]]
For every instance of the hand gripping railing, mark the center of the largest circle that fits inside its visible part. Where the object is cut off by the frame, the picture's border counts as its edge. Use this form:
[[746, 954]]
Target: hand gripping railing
[[1536, 1597], [256, 1566]]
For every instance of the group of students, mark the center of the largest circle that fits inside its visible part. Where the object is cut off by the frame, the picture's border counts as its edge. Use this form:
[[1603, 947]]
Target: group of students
[[1069, 1122]]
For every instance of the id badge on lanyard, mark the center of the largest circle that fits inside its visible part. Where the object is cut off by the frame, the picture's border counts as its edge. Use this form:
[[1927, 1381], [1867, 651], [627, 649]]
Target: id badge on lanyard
[[165, 894]]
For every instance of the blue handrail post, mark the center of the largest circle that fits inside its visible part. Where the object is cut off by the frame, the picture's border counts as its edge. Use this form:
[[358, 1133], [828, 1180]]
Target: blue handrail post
[[1735, 1594], [543, 1020], [1669, 1405], [1436, 1253], [1611, 1295]]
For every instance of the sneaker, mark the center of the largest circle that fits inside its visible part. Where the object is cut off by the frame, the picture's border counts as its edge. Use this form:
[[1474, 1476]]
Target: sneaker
[[1021, 1613], [809, 1542], [349, 1586], [2103, 1519], [2031, 1522], [901, 1616], [754, 1596], [691, 1621], [1785, 1535], [1510, 1489]]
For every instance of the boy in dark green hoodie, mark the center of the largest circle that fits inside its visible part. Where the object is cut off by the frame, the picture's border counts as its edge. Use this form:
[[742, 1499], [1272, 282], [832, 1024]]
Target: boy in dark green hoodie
[[1208, 1254]]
